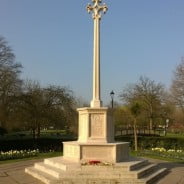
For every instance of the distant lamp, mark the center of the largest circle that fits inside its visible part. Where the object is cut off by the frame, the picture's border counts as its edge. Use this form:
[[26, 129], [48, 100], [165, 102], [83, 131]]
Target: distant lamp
[[112, 98], [166, 126], [167, 123]]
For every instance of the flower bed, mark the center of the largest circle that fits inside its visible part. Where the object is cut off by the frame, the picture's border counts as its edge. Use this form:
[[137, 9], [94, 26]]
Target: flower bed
[[14, 154], [162, 152]]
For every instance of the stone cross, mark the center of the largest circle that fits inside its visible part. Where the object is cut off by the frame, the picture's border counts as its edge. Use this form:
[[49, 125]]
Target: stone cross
[[97, 9]]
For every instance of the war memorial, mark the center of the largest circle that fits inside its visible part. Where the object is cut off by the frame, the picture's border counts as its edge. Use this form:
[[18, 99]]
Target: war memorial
[[95, 158]]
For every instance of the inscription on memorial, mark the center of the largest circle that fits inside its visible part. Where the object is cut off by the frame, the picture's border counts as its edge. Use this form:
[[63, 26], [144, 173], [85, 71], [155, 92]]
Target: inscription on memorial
[[97, 125], [100, 152]]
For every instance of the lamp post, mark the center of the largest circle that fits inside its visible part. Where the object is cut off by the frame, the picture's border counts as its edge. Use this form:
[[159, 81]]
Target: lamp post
[[166, 126], [112, 98]]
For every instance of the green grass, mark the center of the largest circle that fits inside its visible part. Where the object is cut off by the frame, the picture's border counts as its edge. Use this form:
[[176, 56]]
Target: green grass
[[143, 154], [40, 156], [55, 154], [174, 135]]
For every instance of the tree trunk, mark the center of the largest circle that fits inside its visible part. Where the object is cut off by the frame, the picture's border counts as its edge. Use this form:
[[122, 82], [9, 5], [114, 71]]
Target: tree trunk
[[135, 133], [38, 130], [151, 124], [3, 124], [34, 133], [126, 130]]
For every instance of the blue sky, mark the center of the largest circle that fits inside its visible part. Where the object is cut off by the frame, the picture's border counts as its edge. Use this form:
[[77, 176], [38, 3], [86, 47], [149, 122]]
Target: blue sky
[[53, 39]]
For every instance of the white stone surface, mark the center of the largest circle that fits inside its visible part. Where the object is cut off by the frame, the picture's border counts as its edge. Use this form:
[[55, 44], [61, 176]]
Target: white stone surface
[[95, 125], [134, 171], [96, 9], [96, 138], [109, 152]]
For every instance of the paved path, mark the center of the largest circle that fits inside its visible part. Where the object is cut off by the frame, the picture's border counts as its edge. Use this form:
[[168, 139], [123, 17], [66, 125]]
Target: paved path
[[175, 175], [14, 173]]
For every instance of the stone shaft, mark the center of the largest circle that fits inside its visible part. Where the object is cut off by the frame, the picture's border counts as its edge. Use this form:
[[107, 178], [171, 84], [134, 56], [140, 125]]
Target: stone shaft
[[96, 8], [96, 102]]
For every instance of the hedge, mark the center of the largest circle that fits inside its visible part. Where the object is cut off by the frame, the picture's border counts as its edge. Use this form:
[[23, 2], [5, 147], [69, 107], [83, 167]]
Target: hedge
[[43, 144], [47, 144], [153, 142]]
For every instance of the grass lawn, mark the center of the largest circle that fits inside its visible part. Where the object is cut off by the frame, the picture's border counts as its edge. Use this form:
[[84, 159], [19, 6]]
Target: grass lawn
[[174, 135], [145, 155], [40, 156]]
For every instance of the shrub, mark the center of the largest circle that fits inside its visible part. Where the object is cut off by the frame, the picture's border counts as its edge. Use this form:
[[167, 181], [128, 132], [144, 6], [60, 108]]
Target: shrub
[[152, 142], [43, 144], [3, 131]]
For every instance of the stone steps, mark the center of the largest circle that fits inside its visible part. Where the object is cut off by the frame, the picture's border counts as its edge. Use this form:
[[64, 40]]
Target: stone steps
[[130, 165], [53, 171], [58, 170], [42, 176], [63, 164], [47, 179], [145, 170], [138, 164], [151, 178]]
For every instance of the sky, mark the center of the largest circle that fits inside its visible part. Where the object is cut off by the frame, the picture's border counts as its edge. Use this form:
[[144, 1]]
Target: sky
[[53, 40]]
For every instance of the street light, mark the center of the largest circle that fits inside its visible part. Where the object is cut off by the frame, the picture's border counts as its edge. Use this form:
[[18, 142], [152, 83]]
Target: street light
[[166, 125], [112, 98]]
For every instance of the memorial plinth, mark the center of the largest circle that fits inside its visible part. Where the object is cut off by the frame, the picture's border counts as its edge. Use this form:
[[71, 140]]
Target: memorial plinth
[[95, 125], [96, 138]]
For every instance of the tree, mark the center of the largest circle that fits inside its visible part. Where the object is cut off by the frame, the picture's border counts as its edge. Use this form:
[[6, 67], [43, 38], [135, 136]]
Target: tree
[[127, 115], [148, 94], [177, 87], [135, 109], [122, 118], [61, 100], [43, 107], [10, 83], [177, 125]]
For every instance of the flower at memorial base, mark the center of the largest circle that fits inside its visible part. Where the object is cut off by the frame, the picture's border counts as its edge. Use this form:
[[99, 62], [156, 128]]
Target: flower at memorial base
[[107, 164], [84, 163], [94, 162]]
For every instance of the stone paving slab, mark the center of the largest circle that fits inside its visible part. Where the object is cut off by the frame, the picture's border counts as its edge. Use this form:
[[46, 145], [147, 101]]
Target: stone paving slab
[[14, 173], [175, 174]]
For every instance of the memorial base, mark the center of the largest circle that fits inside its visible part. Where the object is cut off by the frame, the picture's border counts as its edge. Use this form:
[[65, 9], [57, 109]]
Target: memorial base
[[60, 171], [107, 152]]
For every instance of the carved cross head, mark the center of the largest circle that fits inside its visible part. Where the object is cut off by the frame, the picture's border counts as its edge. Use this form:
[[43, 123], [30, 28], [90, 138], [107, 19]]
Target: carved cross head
[[97, 8]]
